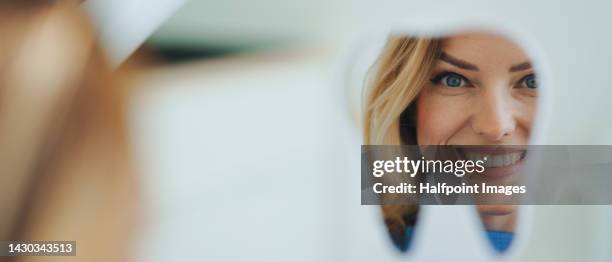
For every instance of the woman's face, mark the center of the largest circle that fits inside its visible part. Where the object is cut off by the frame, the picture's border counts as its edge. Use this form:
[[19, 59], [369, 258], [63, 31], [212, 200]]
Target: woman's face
[[482, 92]]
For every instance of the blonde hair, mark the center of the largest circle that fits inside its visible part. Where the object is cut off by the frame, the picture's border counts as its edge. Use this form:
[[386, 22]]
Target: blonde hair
[[389, 110], [79, 183]]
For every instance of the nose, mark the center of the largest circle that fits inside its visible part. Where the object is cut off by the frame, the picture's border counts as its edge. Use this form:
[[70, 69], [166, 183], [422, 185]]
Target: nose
[[493, 118]]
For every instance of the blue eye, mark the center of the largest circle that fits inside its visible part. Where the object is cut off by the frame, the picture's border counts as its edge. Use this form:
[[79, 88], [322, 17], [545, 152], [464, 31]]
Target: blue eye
[[530, 82], [451, 80]]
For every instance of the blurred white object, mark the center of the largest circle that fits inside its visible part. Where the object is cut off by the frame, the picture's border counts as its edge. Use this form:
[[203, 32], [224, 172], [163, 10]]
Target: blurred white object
[[124, 25]]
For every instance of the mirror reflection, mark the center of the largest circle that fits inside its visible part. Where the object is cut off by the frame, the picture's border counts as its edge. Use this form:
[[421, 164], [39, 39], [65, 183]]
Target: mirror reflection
[[473, 89]]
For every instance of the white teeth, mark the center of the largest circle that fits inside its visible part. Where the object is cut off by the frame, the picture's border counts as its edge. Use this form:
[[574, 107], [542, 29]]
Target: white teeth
[[498, 160]]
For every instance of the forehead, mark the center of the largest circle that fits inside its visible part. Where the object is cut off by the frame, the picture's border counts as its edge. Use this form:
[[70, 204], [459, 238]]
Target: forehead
[[484, 48]]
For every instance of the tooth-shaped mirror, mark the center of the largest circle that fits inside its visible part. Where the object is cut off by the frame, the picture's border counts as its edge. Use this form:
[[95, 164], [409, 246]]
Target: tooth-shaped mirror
[[470, 97]]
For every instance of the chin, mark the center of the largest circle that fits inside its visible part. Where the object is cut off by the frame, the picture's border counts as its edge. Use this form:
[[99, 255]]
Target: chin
[[496, 210]]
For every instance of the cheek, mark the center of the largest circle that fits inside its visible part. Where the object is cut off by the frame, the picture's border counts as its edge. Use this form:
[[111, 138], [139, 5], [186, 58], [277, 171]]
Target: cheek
[[526, 109], [439, 118]]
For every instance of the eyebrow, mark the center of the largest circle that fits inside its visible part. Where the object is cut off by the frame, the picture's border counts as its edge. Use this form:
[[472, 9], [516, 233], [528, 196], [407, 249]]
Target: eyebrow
[[520, 67], [468, 66], [457, 62]]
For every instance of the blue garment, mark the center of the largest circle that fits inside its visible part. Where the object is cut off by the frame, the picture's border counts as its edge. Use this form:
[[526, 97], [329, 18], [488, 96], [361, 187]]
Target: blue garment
[[499, 239]]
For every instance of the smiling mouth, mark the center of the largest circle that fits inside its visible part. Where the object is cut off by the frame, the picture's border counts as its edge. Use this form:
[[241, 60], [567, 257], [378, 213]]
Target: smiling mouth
[[495, 157]]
